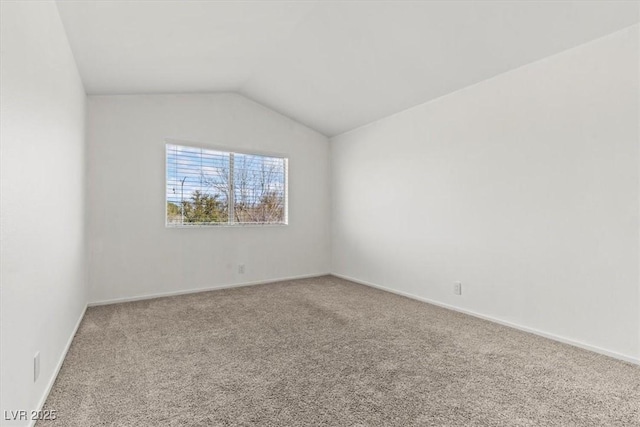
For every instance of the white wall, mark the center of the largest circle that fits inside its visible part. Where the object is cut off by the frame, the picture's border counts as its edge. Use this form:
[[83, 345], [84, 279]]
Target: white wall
[[523, 187], [131, 253], [42, 182]]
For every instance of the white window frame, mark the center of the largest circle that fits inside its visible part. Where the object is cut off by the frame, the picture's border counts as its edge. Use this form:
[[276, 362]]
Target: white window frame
[[231, 152]]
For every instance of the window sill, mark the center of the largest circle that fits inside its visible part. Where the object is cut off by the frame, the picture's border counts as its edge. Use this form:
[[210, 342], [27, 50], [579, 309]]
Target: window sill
[[237, 225]]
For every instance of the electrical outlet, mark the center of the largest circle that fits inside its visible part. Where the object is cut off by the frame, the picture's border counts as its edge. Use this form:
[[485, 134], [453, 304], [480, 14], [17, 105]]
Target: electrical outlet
[[241, 268], [457, 288], [36, 367]]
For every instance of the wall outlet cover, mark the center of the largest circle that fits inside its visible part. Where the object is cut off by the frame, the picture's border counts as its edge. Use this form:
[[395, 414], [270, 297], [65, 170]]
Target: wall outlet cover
[[36, 366], [457, 288]]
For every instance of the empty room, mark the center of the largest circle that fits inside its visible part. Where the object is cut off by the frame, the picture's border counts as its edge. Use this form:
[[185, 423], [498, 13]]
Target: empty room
[[319, 213]]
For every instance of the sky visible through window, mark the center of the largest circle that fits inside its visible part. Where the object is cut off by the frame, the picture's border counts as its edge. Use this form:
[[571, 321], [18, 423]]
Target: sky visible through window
[[199, 187]]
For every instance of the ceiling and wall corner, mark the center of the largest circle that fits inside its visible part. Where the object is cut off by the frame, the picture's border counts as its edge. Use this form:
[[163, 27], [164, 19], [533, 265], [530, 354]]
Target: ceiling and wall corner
[[333, 66]]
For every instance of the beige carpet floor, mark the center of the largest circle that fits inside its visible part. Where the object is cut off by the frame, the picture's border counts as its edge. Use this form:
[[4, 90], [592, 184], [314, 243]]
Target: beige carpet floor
[[326, 351]]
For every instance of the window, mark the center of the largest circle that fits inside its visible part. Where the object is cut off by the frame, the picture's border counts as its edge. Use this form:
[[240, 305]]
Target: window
[[207, 187]]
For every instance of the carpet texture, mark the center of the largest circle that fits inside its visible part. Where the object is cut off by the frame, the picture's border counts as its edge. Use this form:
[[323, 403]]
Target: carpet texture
[[325, 351]]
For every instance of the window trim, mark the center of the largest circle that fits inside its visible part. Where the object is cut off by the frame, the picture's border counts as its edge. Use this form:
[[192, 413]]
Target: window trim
[[226, 149]]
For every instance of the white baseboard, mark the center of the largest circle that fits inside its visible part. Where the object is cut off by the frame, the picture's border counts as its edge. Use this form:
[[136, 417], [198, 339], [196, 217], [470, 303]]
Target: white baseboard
[[197, 290], [548, 335], [56, 371]]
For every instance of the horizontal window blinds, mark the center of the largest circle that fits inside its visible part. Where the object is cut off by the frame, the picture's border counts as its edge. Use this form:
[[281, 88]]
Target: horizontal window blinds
[[211, 187]]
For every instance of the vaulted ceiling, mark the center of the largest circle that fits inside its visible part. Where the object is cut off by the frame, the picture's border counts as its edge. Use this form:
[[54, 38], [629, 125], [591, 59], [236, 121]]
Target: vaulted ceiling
[[330, 65]]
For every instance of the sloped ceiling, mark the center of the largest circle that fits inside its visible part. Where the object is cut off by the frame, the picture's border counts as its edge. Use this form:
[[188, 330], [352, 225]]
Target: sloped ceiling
[[332, 66]]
